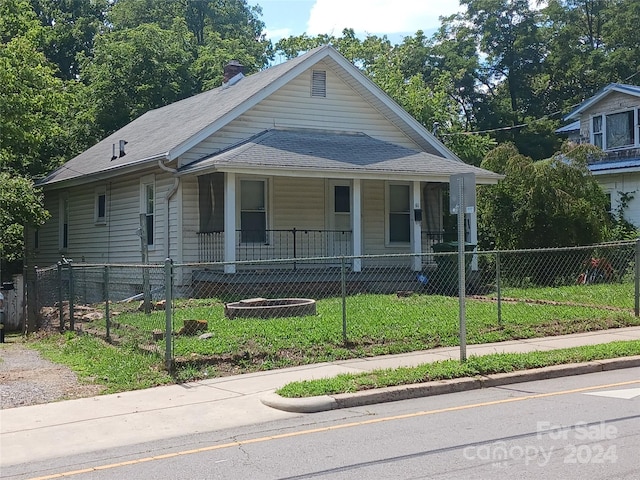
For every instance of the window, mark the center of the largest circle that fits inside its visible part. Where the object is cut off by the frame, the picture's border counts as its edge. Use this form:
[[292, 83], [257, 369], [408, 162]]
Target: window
[[318, 83], [341, 207], [100, 207], [211, 202], [63, 232], [399, 214], [616, 130], [253, 214], [148, 207], [596, 128]]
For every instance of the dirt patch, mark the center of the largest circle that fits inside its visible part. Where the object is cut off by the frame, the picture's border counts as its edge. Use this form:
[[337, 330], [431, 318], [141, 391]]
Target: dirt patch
[[28, 379]]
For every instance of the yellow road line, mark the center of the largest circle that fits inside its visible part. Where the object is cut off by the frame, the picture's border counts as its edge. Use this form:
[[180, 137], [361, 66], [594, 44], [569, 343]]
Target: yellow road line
[[327, 429]]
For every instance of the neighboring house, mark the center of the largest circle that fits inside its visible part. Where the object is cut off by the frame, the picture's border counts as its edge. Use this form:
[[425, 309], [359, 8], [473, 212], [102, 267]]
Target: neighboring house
[[611, 120], [309, 149]]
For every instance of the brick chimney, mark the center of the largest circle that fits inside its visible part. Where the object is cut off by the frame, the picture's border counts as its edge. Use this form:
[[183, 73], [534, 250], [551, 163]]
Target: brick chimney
[[231, 69]]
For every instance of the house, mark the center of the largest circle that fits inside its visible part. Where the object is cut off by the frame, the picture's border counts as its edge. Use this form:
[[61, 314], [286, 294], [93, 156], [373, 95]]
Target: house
[[611, 120], [307, 158]]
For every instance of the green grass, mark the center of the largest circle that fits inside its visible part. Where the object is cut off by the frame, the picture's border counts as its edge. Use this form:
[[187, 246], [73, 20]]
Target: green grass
[[447, 369], [97, 362], [376, 325]]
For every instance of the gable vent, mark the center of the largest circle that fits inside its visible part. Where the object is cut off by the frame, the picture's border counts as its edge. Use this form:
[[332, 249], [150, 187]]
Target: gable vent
[[319, 83]]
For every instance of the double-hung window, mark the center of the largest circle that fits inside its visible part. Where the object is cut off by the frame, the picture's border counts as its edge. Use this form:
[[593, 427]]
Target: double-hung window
[[253, 211], [100, 206], [616, 130], [148, 207], [398, 213]]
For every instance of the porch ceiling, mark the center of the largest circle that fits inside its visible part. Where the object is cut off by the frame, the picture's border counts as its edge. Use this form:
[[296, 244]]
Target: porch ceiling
[[309, 152]]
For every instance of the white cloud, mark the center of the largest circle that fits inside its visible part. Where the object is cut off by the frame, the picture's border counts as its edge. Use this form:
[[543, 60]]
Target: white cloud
[[277, 33], [378, 16]]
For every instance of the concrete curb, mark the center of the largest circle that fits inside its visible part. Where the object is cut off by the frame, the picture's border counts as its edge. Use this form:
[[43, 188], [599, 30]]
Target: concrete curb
[[405, 392]]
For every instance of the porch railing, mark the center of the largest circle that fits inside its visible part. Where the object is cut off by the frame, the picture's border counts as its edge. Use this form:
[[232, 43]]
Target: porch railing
[[276, 244], [429, 239]]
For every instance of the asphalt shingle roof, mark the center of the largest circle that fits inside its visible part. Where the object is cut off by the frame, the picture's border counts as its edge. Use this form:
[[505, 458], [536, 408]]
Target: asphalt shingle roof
[[155, 133], [312, 150]]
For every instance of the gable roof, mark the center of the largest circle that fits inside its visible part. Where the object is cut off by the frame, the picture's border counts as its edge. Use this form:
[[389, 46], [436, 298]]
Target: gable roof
[[167, 132], [609, 89], [308, 152]]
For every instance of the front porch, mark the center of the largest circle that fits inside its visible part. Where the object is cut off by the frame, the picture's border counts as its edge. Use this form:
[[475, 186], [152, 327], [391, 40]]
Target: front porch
[[295, 243]]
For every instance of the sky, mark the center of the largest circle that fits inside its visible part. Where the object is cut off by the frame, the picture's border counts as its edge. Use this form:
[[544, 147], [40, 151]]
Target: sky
[[393, 18]]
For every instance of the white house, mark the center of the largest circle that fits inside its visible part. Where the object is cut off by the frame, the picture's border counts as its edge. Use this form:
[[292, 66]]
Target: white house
[[611, 120], [306, 158]]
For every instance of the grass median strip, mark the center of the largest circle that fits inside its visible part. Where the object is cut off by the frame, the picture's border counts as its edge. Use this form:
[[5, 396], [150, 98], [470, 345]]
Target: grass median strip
[[448, 369]]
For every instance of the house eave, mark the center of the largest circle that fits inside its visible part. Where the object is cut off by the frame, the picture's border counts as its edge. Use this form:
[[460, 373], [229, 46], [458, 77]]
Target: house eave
[[338, 174], [102, 175], [606, 91]]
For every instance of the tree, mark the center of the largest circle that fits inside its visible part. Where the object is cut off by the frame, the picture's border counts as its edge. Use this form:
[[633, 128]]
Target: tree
[[70, 27], [20, 206], [42, 122], [135, 70], [549, 203]]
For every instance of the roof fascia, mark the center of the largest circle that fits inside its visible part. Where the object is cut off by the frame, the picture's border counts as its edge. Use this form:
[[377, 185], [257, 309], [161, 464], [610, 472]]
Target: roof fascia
[[392, 105], [613, 171], [248, 103], [338, 174], [102, 175], [596, 98]]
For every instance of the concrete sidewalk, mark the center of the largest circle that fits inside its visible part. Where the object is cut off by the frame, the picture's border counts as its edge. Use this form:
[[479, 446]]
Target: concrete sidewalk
[[40, 432]]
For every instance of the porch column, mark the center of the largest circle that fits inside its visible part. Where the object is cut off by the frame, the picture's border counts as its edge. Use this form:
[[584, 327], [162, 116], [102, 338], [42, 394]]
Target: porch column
[[417, 229], [356, 219], [230, 222]]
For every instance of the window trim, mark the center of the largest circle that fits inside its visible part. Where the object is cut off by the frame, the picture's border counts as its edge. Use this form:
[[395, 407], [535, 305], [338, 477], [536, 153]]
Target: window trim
[[635, 129], [100, 192], [268, 201], [63, 221], [387, 214], [145, 182]]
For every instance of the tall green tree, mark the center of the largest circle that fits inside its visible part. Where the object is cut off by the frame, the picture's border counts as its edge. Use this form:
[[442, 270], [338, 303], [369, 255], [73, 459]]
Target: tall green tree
[[549, 203], [135, 70], [20, 206], [42, 119], [70, 27]]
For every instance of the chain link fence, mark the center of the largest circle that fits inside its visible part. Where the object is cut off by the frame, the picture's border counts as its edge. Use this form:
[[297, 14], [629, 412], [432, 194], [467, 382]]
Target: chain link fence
[[366, 305]]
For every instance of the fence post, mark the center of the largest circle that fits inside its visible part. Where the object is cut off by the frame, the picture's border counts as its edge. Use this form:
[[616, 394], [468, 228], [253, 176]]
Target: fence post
[[60, 304], [637, 293], [498, 291], [32, 325], [343, 285], [107, 313], [71, 299], [168, 293]]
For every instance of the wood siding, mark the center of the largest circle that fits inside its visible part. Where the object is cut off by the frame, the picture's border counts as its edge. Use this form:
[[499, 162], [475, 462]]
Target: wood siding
[[614, 102], [293, 107], [117, 240]]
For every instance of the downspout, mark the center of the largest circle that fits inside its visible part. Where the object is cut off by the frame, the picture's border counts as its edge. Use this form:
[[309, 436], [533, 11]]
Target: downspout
[[168, 196]]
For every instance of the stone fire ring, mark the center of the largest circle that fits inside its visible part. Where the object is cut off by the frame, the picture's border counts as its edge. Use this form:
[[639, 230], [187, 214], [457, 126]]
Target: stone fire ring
[[270, 308]]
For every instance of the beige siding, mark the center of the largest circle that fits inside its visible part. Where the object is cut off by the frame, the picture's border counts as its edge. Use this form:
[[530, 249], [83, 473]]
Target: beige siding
[[299, 203], [190, 219], [623, 183], [116, 241], [293, 107], [614, 102]]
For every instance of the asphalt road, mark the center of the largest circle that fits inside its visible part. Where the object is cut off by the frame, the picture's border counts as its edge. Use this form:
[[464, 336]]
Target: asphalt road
[[583, 427]]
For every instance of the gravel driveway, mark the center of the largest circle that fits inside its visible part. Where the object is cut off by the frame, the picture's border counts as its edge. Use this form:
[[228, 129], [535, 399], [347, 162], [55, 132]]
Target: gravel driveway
[[28, 379]]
